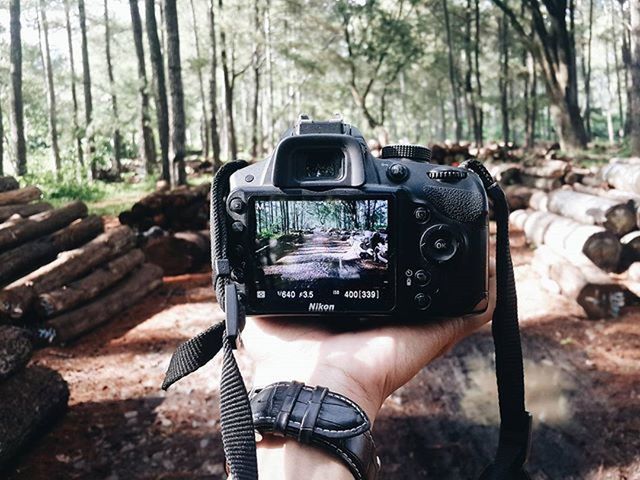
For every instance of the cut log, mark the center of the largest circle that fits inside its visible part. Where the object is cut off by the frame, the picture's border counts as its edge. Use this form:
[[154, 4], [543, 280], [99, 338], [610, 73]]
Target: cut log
[[23, 210], [548, 169], [8, 183], [17, 298], [617, 217], [15, 350], [632, 199], [31, 401], [582, 282], [32, 254], [89, 287], [518, 196], [129, 291], [179, 253], [623, 176], [543, 228], [505, 173], [539, 200], [41, 224], [541, 183], [633, 273], [21, 195], [630, 250]]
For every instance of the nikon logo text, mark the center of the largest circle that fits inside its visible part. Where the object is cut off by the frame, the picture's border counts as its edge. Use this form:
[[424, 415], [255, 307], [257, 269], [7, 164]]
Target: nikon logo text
[[321, 307]]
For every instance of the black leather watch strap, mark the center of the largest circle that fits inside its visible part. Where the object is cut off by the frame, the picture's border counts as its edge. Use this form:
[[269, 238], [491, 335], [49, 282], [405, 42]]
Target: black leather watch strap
[[317, 416]]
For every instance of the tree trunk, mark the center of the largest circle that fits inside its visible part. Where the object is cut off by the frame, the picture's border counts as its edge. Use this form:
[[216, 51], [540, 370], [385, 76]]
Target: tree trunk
[[86, 83], [77, 133], [17, 106], [15, 350], [582, 282], [229, 80], [504, 76], [160, 88], [479, 134], [89, 287], [17, 298], [177, 92], [616, 64], [470, 94], [532, 75], [256, 62], [43, 34], [452, 74], [8, 184], [634, 124], [32, 400], [1, 141], [204, 128], [128, 292], [33, 254], [622, 176], [213, 91], [630, 250], [40, 224], [117, 138], [23, 210], [597, 244], [20, 195], [586, 71], [179, 253], [146, 132]]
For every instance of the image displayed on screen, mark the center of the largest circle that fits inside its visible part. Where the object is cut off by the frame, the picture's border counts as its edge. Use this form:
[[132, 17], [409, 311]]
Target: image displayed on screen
[[322, 249]]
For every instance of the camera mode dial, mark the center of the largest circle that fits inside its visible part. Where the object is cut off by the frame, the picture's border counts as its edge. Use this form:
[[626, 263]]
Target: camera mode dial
[[449, 175], [412, 152]]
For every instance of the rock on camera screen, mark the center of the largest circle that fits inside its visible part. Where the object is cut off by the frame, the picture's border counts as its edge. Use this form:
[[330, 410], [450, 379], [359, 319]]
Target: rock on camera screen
[[326, 255]]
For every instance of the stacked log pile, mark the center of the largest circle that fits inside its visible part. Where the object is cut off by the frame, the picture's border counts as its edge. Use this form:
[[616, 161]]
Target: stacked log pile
[[585, 225], [173, 228], [61, 274]]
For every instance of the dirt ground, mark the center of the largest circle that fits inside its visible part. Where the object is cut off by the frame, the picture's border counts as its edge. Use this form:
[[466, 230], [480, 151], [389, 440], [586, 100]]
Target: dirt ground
[[583, 387]]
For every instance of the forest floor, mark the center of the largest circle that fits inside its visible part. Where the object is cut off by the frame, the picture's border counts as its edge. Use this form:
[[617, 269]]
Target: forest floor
[[583, 386]]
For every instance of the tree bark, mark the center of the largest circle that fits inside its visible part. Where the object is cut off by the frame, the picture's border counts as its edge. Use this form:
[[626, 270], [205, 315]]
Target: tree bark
[[622, 176], [8, 183], [146, 132], [229, 83], [40, 224], [32, 400], [77, 133], [1, 141], [504, 77], [31, 255], [86, 84], [634, 95], [160, 88], [470, 94], [457, 124], [117, 138], [128, 292], [15, 350], [23, 210], [213, 91], [16, 300], [86, 288], [178, 125], [204, 127], [256, 65], [179, 253], [43, 31], [17, 106], [20, 195]]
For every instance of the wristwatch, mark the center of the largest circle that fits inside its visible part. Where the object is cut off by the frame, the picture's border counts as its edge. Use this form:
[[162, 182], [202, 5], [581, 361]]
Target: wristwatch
[[317, 416]]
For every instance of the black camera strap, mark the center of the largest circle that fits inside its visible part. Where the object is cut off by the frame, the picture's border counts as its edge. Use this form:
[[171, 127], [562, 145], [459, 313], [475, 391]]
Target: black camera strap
[[238, 435]]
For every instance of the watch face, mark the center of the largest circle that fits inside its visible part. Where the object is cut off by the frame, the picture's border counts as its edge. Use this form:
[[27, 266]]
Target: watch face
[[320, 255]]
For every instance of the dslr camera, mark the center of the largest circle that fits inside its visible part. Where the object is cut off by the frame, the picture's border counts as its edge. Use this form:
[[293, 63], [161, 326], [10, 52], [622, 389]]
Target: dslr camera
[[322, 227]]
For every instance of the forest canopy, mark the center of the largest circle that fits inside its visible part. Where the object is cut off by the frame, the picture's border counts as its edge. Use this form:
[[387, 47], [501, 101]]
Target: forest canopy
[[86, 84]]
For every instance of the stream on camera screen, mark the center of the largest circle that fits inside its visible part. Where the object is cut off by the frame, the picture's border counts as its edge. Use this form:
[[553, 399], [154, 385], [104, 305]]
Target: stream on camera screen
[[327, 253]]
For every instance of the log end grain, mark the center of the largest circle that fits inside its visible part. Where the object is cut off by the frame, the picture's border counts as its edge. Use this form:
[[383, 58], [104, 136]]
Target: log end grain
[[15, 350]]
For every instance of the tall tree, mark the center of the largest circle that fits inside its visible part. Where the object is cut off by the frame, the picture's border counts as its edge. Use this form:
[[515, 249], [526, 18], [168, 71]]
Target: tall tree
[[77, 134], [635, 76], [117, 138], [470, 93], [229, 76], [1, 141], [204, 122], [553, 48], [213, 90], [617, 67], [17, 106], [586, 70], [256, 66], [178, 124], [503, 82], [86, 84], [146, 132], [160, 87], [45, 51], [457, 123]]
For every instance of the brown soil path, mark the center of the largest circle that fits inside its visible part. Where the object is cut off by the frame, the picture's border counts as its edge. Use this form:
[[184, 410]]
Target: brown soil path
[[583, 382]]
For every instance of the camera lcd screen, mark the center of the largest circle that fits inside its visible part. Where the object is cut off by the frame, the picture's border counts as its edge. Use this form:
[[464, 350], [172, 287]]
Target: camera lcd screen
[[322, 255]]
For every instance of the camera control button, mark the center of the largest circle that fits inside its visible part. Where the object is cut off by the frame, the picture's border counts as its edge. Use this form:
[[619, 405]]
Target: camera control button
[[423, 278], [421, 214], [439, 243], [449, 175], [236, 205], [422, 301], [397, 172]]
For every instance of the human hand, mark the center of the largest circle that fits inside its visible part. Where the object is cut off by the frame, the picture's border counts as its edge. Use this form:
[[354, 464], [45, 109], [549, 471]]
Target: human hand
[[367, 364]]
